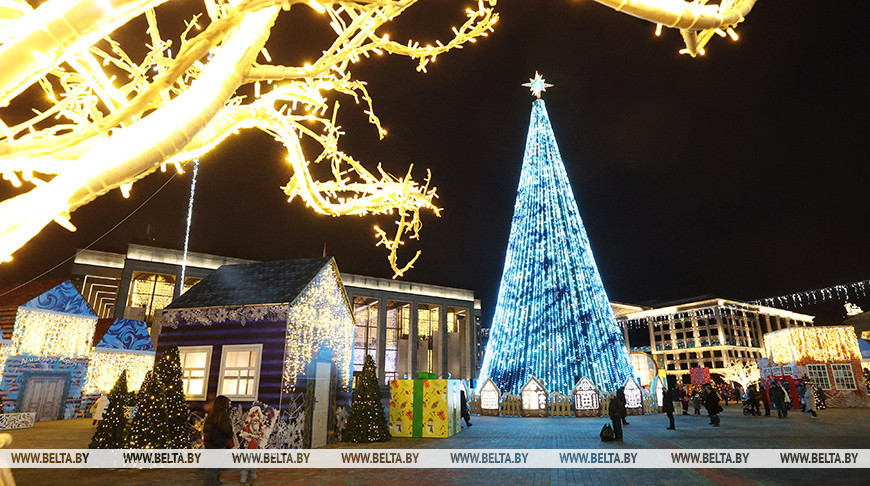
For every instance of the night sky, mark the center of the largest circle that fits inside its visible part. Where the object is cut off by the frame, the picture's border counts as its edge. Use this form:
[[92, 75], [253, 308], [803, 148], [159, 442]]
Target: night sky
[[741, 174]]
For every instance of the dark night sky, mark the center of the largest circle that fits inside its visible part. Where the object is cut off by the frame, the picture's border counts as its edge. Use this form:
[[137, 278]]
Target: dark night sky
[[740, 174]]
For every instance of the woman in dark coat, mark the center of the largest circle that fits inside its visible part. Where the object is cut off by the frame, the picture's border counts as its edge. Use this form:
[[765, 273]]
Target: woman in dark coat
[[217, 433], [711, 403], [668, 407], [616, 411]]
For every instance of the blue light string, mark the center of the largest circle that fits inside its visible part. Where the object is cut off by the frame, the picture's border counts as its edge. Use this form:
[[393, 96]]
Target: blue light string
[[552, 319]]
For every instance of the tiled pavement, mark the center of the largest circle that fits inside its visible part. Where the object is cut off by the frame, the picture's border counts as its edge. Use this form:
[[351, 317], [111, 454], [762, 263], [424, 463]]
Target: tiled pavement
[[840, 428]]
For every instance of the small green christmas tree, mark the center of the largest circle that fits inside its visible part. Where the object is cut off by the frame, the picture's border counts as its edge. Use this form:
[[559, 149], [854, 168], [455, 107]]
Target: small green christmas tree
[[367, 422], [112, 430], [150, 427], [168, 369]]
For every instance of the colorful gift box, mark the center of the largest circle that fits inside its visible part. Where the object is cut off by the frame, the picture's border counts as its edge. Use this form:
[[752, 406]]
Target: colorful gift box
[[424, 408]]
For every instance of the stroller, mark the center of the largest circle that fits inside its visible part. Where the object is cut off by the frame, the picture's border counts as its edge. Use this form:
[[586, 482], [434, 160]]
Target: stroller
[[750, 404]]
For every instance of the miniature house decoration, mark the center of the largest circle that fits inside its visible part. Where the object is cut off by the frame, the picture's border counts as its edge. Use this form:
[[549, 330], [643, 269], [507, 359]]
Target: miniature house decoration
[[659, 390], [586, 398], [534, 397], [489, 398], [280, 333], [633, 398]]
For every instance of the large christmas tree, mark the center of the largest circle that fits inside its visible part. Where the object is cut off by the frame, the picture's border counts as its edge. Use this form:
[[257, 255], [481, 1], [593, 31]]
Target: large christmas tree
[[111, 432], [150, 427], [168, 369], [367, 422], [552, 318]]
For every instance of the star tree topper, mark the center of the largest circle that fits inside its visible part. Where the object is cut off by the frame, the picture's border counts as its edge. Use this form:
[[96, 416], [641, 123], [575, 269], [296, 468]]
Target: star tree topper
[[537, 85]]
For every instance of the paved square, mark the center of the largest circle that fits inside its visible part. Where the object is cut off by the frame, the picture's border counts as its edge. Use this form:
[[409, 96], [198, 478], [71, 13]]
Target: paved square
[[834, 429]]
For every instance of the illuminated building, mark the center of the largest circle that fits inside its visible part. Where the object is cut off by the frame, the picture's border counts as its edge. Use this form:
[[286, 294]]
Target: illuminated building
[[710, 333], [385, 310], [47, 362], [552, 319], [279, 332], [827, 355], [489, 398]]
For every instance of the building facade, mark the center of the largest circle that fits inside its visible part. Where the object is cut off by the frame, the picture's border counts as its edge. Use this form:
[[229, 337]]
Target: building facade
[[411, 327], [406, 327], [709, 333]]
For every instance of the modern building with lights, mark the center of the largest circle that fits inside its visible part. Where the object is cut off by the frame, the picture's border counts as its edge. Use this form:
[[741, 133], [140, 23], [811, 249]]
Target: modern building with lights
[[407, 327], [710, 333]]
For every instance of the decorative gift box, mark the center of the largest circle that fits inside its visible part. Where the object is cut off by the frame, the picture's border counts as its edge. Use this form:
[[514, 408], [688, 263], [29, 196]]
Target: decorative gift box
[[424, 408]]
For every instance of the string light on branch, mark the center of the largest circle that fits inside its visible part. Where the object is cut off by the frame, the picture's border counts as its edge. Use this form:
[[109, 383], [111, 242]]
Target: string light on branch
[[697, 20], [107, 118]]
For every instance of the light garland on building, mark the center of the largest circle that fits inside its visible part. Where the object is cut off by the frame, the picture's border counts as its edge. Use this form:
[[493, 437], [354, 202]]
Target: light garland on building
[[6, 348], [552, 319], [839, 293], [110, 119], [106, 366], [319, 317], [50, 334], [834, 343]]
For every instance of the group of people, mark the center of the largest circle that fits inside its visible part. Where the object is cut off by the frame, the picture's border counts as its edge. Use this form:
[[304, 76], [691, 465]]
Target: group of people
[[674, 399], [780, 397]]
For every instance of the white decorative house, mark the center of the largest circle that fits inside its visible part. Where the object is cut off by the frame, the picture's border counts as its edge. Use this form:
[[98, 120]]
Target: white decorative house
[[587, 401], [534, 397], [633, 398], [489, 398]]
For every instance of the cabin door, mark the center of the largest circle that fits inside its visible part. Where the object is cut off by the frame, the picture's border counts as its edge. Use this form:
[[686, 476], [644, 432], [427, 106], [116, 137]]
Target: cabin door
[[320, 415], [44, 394]]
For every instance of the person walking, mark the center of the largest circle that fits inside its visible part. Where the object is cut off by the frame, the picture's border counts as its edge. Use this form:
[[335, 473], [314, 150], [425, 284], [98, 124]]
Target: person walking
[[712, 404], [810, 399], [217, 433], [802, 395], [463, 408], [668, 407], [98, 408], [616, 411], [684, 400], [777, 396], [620, 394]]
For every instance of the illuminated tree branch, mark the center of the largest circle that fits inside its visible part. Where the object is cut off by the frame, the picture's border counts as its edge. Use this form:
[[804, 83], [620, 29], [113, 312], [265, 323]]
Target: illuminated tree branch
[[107, 120], [741, 372], [698, 20]]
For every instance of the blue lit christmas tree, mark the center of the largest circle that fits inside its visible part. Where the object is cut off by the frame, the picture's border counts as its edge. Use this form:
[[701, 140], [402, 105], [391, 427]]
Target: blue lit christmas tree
[[552, 319]]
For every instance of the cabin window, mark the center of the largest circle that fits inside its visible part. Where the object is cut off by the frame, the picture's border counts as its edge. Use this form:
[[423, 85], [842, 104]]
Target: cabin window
[[194, 370], [240, 371], [818, 373], [844, 379]]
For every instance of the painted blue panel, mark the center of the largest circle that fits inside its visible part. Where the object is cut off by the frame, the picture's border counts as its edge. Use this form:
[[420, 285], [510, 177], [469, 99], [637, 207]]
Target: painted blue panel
[[127, 334], [63, 298]]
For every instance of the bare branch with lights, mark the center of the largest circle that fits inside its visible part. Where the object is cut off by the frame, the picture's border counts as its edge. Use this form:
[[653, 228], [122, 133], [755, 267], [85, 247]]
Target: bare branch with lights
[[108, 120], [697, 20]]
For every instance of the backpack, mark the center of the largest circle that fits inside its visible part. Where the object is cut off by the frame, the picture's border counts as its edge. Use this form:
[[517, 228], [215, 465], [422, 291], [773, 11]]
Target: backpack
[[606, 433]]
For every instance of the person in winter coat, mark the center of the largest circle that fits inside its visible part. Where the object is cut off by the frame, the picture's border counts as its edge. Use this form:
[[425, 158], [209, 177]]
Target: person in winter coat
[[617, 415], [620, 394], [765, 399], [98, 408], [810, 399], [668, 407], [696, 402], [712, 405], [217, 433], [684, 400], [777, 396], [463, 408]]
